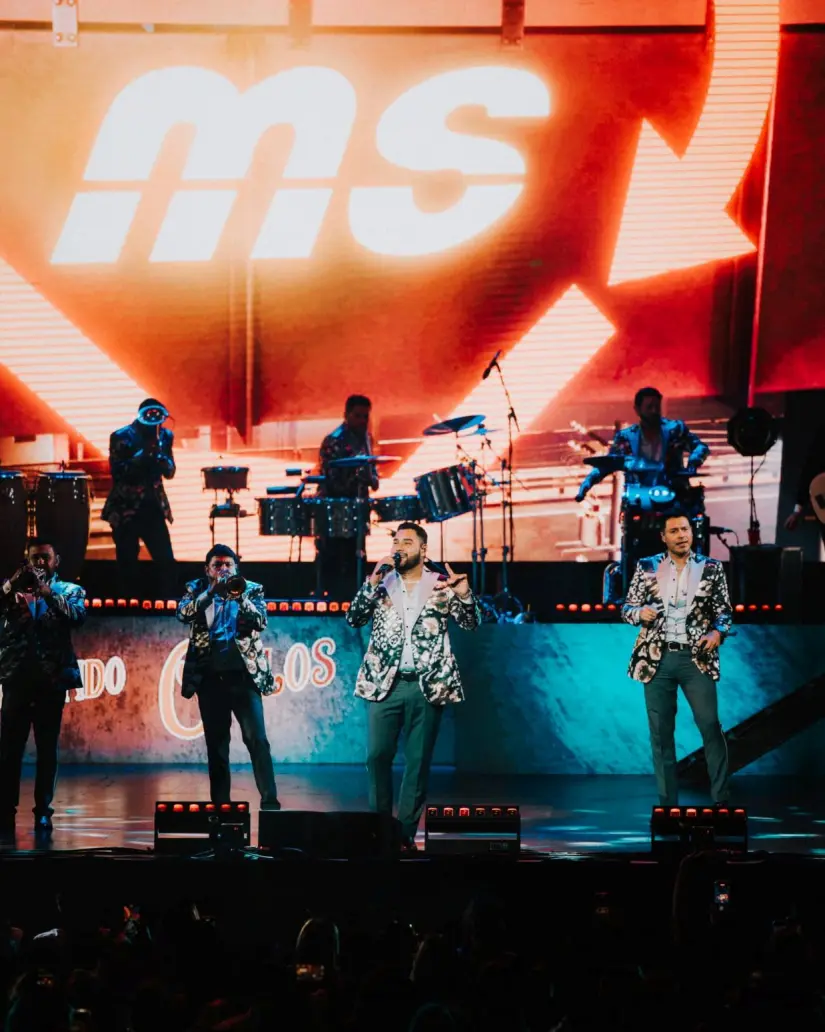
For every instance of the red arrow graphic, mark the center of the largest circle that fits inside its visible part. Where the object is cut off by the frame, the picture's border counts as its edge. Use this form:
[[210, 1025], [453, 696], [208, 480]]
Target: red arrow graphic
[[674, 216]]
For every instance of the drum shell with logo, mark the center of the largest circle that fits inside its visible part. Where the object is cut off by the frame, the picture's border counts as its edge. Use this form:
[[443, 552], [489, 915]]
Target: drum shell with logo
[[398, 509], [61, 504], [13, 521], [445, 493], [284, 517]]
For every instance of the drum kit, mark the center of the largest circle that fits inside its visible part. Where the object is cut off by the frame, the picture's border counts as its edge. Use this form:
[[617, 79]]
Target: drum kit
[[52, 505], [441, 495], [643, 506]]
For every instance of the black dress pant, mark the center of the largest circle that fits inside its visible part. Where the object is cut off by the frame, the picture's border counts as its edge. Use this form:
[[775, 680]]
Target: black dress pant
[[147, 525], [337, 566], [222, 694], [29, 701]]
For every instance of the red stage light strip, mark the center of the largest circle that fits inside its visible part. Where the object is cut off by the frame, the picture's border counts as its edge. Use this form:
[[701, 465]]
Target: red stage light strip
[[674, 216], [59, 363], [537, 368]]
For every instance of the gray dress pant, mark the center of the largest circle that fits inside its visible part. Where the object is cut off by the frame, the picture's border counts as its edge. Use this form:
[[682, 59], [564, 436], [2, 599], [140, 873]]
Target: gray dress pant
[[677, 670], [405, 708]]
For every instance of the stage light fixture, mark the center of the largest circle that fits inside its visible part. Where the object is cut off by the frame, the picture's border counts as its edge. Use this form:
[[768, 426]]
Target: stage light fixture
[[752, 431], [512, 23], [64, 23], [679, 829], [473, 830], [191, 826]]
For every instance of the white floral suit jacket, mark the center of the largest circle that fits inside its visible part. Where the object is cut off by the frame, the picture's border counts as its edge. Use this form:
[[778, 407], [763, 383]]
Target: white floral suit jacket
[[434, 659], [709, 609]]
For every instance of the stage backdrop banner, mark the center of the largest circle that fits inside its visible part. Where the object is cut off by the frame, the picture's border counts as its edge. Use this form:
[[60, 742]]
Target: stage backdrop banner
[[541, 699]]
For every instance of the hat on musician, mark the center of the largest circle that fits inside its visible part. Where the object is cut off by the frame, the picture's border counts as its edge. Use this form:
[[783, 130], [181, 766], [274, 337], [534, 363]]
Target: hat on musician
[[151, 412]]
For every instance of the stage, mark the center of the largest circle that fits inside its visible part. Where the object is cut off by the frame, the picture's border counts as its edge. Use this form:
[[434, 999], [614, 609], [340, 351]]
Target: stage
[[111, 806]]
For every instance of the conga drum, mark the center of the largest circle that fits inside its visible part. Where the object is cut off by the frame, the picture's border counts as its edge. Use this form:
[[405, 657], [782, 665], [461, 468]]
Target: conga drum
[[13, 521], [61, 507]]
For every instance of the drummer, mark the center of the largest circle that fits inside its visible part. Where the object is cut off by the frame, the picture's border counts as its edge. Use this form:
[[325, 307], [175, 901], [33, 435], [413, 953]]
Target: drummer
[[351, 438], [654, 449], [337, 557]]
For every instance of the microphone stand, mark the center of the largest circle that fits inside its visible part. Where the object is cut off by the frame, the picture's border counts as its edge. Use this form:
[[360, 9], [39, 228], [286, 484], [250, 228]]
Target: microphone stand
[[507, 519]]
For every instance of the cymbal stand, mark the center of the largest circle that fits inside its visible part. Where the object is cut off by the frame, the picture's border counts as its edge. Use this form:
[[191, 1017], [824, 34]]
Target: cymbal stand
[[479, 555]]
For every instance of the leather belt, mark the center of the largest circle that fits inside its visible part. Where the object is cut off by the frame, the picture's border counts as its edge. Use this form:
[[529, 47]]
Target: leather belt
[[677, 646]]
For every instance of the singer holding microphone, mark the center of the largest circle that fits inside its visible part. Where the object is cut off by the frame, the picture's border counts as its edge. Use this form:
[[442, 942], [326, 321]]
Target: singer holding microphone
[[409, 673], [680, 601]]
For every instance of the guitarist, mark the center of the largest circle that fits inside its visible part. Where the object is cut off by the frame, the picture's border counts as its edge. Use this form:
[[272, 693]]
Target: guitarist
[[813, 465]]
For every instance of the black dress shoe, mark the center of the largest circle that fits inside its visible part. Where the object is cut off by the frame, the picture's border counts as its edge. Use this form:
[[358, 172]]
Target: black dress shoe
[[270, 804], [43, 825]]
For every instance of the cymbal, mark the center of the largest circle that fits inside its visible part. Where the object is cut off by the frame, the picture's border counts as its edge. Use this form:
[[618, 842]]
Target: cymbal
[[352, 461], [453, 426]]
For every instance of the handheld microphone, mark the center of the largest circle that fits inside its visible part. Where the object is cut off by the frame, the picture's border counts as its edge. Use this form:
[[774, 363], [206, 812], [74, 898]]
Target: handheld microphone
[[491, 365], [386, 568]]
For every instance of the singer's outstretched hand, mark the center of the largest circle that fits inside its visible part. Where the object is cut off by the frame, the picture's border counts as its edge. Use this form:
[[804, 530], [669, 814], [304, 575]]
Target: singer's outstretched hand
[[458, 582], [382, 568]]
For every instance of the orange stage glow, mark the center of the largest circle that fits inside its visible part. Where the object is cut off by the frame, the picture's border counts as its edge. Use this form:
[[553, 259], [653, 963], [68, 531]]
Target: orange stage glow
[[674, 215]]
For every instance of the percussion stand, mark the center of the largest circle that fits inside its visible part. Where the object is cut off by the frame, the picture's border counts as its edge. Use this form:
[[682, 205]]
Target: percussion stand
[[230, 508]]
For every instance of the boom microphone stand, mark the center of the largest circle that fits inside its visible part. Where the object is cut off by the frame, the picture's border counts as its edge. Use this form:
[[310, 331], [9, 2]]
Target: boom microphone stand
[[505, 602]]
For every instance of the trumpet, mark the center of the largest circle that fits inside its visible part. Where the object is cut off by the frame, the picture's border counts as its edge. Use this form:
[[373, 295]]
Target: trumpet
[[232, 587], [27, 578]]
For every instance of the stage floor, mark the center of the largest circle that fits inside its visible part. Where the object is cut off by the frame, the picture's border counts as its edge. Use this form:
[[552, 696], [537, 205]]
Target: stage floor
[[108, 806]]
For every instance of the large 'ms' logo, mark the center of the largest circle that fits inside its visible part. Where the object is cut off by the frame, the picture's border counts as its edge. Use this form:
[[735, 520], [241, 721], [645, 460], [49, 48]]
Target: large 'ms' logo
[[320, 106]]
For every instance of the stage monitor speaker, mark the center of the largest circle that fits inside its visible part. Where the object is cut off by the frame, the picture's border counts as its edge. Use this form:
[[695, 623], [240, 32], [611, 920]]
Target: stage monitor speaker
[[766, 575], [184, 827], [473, 830], [680, 829], [337, 835]]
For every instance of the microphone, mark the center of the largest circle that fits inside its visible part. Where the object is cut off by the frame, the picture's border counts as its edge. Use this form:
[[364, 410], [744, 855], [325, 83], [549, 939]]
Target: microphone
[[386, 568], [719, 530], [491, 365]]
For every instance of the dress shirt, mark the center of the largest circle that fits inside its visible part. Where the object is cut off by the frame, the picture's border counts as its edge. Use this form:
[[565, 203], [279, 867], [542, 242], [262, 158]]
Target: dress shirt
[[410, 609], [675, 599]]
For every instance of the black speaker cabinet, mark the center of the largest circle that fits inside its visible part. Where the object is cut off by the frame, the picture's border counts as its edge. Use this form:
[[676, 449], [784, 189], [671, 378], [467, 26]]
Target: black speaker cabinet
[[766, 575], [336, 835]]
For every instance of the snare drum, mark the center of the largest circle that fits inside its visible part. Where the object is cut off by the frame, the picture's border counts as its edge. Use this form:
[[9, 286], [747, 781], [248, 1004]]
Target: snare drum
[[445, 493], [61, 503], [13, 521], [284, 517], [398, 509], [338, 517]]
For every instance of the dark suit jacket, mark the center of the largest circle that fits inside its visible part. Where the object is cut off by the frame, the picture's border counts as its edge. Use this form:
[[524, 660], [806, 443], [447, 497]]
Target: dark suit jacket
[[135, 476], [51, 634], [192, 610]]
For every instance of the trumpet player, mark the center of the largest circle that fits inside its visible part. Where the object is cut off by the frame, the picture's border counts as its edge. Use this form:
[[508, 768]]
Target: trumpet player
[[227, 668], [38, 612], [137, 509]]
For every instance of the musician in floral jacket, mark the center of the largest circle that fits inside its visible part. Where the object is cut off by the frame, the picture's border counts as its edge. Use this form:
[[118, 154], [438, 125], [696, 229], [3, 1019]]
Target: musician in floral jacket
[[227, 667], [680, 601], [409, 673]]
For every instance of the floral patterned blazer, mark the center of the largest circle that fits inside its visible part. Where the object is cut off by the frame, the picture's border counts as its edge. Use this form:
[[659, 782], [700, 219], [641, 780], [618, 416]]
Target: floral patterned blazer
[[49, 633], [434, 658], [251, 621], [708, 605]]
